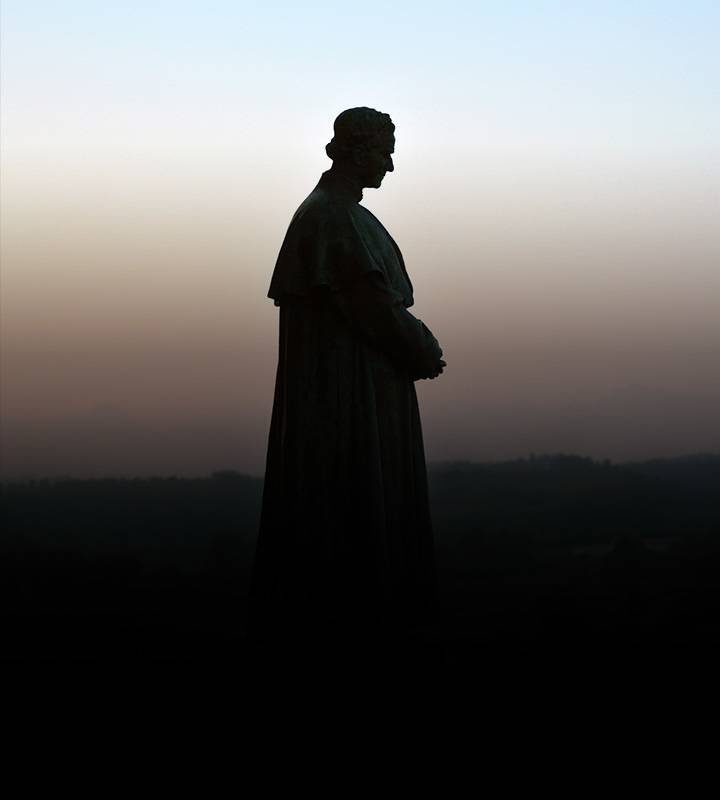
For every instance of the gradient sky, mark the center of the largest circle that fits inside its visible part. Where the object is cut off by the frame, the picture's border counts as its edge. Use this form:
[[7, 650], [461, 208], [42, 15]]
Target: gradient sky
[[556, 196]]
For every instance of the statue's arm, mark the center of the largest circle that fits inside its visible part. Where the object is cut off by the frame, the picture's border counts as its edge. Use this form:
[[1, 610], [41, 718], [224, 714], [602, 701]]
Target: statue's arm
[[377, 314]]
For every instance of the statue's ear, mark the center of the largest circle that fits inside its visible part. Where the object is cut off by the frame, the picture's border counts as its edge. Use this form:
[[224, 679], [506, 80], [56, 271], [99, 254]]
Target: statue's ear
[[359, 157]]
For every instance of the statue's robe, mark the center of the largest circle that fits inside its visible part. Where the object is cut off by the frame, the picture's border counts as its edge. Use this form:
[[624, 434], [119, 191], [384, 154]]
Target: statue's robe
[[345, 533]]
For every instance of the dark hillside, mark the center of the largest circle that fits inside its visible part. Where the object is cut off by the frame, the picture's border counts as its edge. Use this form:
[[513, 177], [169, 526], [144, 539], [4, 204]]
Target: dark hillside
[[534, 555]]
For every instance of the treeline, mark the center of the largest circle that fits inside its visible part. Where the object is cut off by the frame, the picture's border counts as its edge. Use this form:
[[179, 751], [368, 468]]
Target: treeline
[[546, 549], [552, 500], [566, 499]]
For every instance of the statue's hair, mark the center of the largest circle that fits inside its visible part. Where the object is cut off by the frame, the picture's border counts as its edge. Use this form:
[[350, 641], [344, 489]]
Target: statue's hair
[[357, 129]]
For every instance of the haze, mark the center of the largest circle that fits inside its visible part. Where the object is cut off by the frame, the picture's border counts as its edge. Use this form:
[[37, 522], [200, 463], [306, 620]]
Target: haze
[[555, 196]]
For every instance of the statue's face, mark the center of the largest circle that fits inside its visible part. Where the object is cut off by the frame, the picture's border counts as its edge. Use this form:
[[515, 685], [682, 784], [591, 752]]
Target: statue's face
[[377, 161]]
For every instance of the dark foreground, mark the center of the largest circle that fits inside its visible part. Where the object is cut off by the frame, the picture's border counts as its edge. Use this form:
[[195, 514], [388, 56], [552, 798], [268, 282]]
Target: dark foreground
[[556, 562]]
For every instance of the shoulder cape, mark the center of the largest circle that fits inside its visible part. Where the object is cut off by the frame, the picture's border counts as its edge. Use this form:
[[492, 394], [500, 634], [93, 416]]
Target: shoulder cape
[[326, 247]]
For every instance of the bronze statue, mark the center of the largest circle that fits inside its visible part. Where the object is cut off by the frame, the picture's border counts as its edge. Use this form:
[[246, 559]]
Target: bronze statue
[[345, 533]]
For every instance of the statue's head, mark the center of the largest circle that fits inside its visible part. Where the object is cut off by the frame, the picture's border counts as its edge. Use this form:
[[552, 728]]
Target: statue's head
[[363, 145]]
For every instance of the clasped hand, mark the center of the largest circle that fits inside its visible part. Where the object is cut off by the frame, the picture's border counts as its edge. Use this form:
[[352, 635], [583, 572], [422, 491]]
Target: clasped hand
[[438, 370]]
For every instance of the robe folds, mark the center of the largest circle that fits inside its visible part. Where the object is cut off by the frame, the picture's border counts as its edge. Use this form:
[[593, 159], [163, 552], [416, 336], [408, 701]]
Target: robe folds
[[345, 532]]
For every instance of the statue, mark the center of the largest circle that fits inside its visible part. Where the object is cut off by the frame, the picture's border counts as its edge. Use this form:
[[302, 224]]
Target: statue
[[345, 534]]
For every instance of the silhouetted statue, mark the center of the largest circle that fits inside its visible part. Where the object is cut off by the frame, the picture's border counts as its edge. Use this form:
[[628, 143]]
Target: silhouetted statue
[[345, 533]]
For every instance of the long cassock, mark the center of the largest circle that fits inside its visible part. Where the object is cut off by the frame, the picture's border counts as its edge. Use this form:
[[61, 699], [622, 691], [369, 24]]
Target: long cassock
[[345, 531]]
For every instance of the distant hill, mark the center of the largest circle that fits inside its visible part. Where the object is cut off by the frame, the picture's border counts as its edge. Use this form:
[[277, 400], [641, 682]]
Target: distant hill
[[553, 552], [558, 499], [563, 498]]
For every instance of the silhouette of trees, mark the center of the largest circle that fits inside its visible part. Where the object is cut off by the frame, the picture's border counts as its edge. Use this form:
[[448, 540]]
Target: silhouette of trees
[[550, 548]]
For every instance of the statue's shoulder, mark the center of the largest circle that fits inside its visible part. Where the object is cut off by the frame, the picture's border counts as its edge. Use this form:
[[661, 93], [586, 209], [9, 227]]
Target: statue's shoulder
[[323, 212], [325, 246]]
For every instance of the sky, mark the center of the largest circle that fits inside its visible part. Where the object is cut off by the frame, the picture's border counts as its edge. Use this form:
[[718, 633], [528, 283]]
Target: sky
[[556, 196]]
